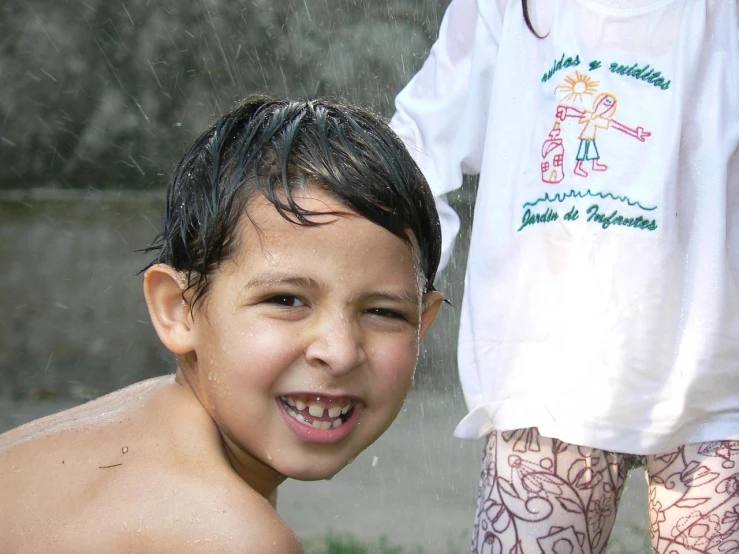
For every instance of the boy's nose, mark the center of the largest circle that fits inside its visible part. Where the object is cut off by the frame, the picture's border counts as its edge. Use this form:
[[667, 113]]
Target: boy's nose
[[336, 344]]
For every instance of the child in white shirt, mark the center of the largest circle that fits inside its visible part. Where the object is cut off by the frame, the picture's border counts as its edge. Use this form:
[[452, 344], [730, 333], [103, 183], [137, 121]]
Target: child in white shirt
[[601, 311]]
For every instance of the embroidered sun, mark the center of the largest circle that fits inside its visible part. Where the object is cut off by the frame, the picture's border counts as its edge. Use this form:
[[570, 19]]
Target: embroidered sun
[[578, 86]]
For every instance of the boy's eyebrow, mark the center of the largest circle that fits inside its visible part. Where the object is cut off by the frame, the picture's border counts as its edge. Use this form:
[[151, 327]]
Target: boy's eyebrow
[[400, 297], [269, 279], [272, 279]]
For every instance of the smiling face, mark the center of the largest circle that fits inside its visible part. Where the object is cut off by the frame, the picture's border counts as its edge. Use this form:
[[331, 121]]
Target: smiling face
[[305, 344], [605, 105]]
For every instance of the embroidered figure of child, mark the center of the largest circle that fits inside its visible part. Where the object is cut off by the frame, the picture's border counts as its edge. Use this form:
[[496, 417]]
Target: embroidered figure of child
[[600, 116]]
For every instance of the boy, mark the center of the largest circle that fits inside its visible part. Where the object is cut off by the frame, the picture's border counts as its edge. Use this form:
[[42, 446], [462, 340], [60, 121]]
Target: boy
[[293, 281]]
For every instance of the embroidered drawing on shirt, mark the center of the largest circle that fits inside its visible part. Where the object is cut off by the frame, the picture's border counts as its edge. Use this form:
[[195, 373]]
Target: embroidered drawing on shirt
[[577, 87], [599, 116], [552, 151], [574, 148], [562, 196], [552, 154]]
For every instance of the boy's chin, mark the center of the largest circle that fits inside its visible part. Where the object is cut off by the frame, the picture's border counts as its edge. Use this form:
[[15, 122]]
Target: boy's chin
[[316, 472]]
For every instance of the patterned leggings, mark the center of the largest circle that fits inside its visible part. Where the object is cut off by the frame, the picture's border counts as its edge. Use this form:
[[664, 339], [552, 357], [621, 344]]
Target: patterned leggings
[[544, 496]]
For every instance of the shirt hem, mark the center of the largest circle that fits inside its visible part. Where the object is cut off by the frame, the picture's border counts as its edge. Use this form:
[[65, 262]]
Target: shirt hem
[[486, 418]]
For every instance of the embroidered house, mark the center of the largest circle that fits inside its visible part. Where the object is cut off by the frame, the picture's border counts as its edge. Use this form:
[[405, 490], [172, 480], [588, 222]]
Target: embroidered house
[[552, 153]]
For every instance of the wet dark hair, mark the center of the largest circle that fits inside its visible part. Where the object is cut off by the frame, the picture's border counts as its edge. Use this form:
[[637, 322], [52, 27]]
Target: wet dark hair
[[527, 19], [274, 147]]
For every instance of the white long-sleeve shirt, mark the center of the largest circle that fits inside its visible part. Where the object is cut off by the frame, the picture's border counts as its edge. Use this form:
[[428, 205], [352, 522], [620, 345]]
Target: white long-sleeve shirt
[[601, 296]]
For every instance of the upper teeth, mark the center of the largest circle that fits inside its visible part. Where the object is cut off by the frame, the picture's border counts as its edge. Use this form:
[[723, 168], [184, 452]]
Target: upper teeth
[[316, 410]]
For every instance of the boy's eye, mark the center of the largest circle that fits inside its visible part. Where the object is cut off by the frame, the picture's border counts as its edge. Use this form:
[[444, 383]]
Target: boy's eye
[[287, 300], [390, 314]]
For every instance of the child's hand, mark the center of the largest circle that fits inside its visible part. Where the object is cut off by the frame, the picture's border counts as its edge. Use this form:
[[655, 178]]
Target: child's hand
[[641, 134], [561, 112]]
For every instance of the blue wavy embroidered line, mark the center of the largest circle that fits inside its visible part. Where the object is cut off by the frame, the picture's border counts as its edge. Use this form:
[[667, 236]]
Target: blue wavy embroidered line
[[562, 196]]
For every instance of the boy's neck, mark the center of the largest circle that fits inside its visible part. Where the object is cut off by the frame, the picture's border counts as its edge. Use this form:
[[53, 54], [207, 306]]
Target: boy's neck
[[255, 474]]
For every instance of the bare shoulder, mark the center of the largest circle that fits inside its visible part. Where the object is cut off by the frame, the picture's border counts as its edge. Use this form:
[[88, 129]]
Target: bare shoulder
[[233, 520], [141, 470]]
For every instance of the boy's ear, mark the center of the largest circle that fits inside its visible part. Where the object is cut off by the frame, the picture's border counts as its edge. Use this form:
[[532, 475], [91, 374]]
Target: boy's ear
[[169, 313], [432, 301]]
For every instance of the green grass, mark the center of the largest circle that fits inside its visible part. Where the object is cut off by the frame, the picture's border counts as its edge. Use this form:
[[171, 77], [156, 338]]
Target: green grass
[[641, 544], [347, 544]]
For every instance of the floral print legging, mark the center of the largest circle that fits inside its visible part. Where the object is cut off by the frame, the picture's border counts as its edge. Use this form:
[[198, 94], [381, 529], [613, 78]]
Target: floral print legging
[[543, 496]]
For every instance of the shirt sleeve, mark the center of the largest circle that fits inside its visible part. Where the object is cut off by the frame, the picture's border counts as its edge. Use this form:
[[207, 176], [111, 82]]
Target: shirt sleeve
[[441, 114], [733, 171]]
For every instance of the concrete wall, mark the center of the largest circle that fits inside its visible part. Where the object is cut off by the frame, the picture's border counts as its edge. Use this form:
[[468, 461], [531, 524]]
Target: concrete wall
[[110, 92], [72, 316]]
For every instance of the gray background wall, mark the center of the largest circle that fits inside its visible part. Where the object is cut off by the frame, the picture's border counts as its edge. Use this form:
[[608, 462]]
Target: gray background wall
[[106, 93], [73, 321], [98, 101]]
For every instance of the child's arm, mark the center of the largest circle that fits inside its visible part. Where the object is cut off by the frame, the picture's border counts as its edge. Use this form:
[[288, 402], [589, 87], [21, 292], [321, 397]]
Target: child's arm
[[563, 112], [638, 133], [442, 112]]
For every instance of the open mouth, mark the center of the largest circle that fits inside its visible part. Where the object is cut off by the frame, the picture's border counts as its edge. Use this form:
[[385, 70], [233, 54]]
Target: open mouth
[[317, 412]]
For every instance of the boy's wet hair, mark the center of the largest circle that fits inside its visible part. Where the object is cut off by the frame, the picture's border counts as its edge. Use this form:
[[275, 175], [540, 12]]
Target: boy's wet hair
[[275, 147]]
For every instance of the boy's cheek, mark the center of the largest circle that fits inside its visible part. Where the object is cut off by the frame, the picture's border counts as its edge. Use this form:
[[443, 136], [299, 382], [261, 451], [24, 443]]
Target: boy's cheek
[[401, 350], [397, 364], [250, 352]]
